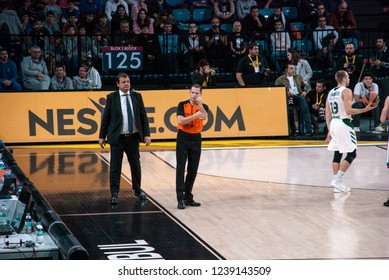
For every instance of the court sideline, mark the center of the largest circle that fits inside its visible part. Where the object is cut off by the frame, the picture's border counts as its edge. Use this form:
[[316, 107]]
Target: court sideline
[[260, 200]]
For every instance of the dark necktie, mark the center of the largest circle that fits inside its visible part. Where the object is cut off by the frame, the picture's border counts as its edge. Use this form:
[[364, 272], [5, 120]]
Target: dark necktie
[[129, 114]]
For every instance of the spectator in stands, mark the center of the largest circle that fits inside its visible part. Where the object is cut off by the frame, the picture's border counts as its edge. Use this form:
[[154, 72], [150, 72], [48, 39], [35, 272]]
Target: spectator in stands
[[28, 8], [204, 75], [280, 42], [99, 41], [198, 4], [39, 34], [351, 63], [278, 15], [70, 8], [50, 24], [35, 75], [195, 45], [103, 26], [344, 21], [72, 20], [11, 19], [255, 25], [39, 6], [150, 49], [8, 73], [155, 7], [89, 23], [26, 24], [276, 3], [302, 67], [360, 90], [143, 19], [55, 51], [380, 68], [93, 6], [124, 36], [316, 99], [170, 51], [85, 44], [59, 81], [224, 10], [119, 16], [252, 69], [111, 6], [320, 10], [237, 41], [71, 44], [297, 93], [242, 8], [53, 7], [325, 38], [81, 81], [216, 44], [160, 22], [135, 8], [91, 73], [307, 11]]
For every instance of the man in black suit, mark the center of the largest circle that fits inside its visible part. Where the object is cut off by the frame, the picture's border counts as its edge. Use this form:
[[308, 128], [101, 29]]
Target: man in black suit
[[124, 131]]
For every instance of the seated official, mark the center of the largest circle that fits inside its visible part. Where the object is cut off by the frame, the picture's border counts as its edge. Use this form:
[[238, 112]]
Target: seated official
[[8, 73]]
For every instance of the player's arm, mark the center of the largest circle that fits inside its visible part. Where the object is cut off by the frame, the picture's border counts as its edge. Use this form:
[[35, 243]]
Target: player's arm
[[385, 111], [347, 96]]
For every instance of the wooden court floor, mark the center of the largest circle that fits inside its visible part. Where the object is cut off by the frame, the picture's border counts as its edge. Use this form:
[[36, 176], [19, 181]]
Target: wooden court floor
[[260, 200]]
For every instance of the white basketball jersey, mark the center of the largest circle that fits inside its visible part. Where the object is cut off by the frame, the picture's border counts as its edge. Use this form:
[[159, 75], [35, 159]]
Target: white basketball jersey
[[337, 104]]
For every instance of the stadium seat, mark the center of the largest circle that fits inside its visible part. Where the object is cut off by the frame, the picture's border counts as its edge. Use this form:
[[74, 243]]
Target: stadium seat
[[291, 12], [227, 27], [181, 15], [262, 43], [303, 45], [266, 12], [204, 27], [299, 25], [174, 3], [202, 15]]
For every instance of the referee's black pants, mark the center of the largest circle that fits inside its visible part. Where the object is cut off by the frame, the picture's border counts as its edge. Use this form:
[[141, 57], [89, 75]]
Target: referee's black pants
[[188, 149]]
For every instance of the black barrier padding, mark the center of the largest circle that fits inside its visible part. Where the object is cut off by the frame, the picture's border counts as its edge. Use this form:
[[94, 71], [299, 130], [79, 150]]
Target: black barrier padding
[[69, 247]]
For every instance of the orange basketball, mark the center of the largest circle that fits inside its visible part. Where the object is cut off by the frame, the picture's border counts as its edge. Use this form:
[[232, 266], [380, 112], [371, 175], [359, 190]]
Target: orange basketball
[[373, 97]]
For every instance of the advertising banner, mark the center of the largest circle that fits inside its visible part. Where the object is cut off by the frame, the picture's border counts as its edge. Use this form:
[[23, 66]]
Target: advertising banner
[[73, 116]]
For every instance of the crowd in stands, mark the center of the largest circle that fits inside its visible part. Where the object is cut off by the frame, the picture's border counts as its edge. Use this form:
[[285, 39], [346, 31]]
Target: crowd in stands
[[57, 44]]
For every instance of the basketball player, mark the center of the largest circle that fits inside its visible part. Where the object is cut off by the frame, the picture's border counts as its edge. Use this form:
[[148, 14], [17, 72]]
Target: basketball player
[[341, 135], [384, 118]]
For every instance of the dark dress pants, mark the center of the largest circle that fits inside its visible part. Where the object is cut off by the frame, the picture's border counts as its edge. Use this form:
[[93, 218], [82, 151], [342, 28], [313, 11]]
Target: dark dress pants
[[130, 146], [188, 149]]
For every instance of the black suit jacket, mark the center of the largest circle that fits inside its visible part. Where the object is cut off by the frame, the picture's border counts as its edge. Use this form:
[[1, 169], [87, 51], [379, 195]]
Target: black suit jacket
[[112, 119]]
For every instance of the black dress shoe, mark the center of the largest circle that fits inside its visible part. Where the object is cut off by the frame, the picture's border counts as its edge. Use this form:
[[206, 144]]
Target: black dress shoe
[[181, 204], [386, 203], [114, 199], [140, 194], [192, 203]]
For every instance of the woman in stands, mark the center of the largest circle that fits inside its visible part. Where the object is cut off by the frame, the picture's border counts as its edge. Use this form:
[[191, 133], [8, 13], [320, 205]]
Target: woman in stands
[[143, 19], [302, 67]]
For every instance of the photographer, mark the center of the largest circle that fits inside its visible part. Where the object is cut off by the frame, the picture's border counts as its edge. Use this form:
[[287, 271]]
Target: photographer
[[351, 63], [204, 75], [316, 99], [252, 69]]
